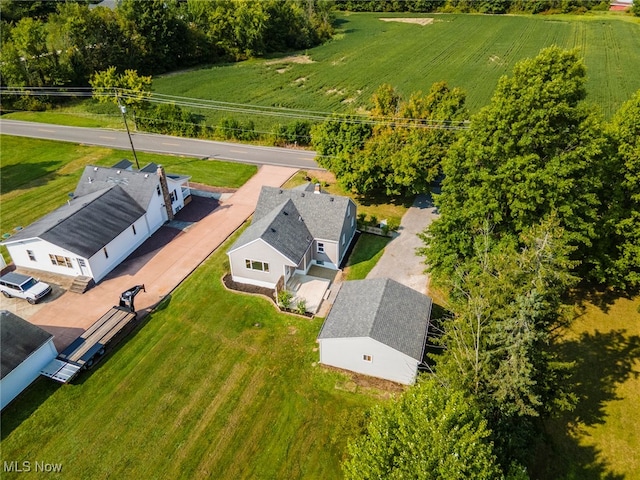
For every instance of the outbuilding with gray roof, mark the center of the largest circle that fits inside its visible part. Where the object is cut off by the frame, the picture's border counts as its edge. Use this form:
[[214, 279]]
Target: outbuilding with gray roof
[[377, 327]]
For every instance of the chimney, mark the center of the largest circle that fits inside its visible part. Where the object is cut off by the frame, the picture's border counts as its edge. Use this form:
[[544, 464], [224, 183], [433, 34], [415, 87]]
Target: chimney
[[317, 188], [165, 191]]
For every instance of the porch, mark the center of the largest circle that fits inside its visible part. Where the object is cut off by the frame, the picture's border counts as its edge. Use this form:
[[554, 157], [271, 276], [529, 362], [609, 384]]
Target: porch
[[313, 287]]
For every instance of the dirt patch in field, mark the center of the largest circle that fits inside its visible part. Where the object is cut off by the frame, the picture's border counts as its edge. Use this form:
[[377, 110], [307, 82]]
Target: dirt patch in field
[[291, 59], [417, 21]]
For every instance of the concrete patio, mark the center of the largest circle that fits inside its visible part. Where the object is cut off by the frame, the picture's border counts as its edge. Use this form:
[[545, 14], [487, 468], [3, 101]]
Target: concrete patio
[[312, 288]]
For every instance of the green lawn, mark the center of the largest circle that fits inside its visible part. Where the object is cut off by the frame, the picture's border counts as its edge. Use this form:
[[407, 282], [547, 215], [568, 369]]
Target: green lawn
[[365, 255], [601, 438], [214, 385], [467, 51], [36, 175]]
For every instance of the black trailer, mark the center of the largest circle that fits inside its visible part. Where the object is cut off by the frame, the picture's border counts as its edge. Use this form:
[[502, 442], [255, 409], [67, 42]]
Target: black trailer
[[89, 347]]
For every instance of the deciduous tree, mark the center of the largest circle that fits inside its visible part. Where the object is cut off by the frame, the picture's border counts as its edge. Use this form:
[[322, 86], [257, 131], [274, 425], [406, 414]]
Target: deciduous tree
[[431, 432]]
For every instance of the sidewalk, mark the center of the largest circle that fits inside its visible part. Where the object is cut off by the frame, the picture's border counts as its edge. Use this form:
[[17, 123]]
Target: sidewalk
[[71, 314]]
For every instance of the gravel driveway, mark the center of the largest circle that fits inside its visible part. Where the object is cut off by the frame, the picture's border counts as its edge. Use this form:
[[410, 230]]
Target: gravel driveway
[[399, 260]]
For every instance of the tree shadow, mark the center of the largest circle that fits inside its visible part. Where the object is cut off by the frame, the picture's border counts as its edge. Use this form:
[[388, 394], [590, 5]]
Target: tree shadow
[[602, 361], [603, 298], [20, 175]]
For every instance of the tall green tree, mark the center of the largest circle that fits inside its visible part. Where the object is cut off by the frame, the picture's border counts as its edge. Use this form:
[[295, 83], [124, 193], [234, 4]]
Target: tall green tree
[[506, 302], [128, 89], [407, 142], [619, 239], [534, 152], [431, 432]]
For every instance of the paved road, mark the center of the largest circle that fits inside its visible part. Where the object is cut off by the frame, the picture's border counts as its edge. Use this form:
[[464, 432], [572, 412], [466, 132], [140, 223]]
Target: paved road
[[147, 142], [399, 260]]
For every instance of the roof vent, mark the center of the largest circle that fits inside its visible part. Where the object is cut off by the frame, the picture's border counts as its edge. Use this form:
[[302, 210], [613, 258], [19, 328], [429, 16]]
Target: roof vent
[[146, 175], [90, 180], [118, 172], [302, 194], [331, 199], [273, 230], [280, 191], [286, 213], [95, 169], [299, 218]]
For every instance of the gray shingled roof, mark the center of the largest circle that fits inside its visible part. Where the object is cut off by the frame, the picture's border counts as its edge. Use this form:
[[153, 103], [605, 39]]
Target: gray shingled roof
[[139, 185], [86, 224], [383, 310], [19, 340], [323, 214], [283, 229]]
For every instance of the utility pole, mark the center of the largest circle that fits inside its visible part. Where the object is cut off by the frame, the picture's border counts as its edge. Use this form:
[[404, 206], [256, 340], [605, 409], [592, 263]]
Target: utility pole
[[123, 110]]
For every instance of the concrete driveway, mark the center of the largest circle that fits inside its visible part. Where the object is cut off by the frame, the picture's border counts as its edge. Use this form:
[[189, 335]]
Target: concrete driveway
[[160, 270], [399, 260]]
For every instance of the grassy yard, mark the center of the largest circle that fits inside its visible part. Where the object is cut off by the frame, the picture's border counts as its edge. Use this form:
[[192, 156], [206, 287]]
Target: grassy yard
[[36, 175], [600, 438], [365, 255], [213, 385]]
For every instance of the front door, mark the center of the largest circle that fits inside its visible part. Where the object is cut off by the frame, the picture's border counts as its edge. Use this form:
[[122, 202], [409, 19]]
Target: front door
[[82, 265]]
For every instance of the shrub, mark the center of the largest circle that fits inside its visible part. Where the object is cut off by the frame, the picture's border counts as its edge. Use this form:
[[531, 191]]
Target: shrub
[[284, 298], [301, 306]]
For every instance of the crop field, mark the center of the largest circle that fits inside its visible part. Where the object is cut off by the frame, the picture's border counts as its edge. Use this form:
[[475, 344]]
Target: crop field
[[467, 51], [214, 385]]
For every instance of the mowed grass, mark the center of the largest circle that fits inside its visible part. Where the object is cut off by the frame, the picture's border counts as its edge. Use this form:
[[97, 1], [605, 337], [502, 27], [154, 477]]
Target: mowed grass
[[37, 175], [213, 385], [366, 253], [467, 51], [600, 439]]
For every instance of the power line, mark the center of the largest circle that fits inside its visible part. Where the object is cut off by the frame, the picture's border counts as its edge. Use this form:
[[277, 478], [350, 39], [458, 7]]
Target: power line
[[241, 108]]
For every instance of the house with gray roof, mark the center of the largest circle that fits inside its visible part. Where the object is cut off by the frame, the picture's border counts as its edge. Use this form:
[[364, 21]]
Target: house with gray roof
[[111, 213], [292, 230], [377, 327], [25, 349]]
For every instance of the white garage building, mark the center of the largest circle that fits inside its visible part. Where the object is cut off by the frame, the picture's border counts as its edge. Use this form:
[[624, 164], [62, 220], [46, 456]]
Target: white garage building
[[26, 349], [377, 327]]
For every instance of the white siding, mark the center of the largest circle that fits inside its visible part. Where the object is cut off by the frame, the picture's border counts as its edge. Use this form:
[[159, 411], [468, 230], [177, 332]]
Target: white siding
[[386, 362], [176, 187], [260, 251], [25, 373], [41, 250], [330, 255], [118, 249], [156, 212]]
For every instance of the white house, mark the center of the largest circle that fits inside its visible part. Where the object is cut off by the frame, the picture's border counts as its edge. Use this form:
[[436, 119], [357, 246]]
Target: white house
[[25, 350], [377, 327], [112, 212], [292, 230]]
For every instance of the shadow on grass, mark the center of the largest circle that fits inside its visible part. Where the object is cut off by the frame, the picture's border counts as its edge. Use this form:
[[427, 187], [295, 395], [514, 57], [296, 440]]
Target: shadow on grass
[[602, 361], [601, 298], [34, 174]]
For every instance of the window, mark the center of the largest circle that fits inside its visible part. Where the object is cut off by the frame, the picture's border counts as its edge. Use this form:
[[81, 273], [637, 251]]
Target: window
[[158, 190], [32, 256], [60, 261], [320, 247], [106, 254], [352, 222], [256, 265], [133, 227], [344, 238], [174, 196], [367, 358]]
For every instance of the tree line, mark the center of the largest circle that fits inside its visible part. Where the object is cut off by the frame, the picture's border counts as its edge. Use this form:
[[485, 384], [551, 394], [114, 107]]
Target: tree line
[[64, 43], [538, 196], [473, 6]]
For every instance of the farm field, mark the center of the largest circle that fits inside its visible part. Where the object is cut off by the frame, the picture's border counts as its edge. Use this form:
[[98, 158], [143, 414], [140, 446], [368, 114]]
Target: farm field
[[36, 175], [214, 385], [467, 51]]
